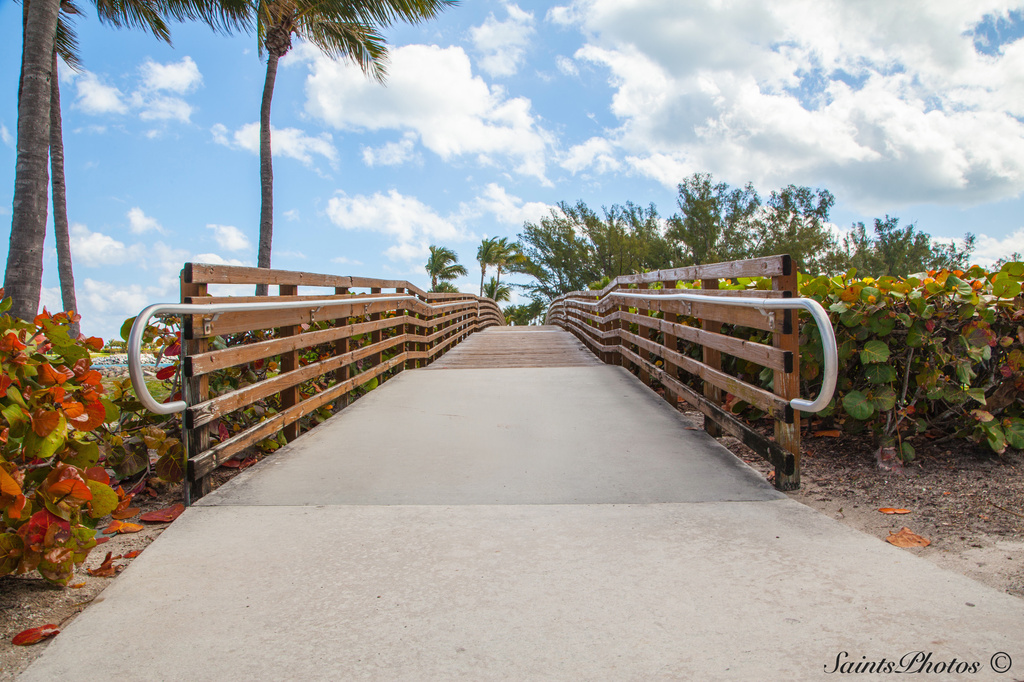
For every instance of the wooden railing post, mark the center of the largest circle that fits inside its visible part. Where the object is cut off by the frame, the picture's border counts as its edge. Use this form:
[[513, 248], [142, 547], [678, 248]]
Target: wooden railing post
[[670, 342], [787, 384], [713, 359], [290, 363], [342, 346], [195, 390]]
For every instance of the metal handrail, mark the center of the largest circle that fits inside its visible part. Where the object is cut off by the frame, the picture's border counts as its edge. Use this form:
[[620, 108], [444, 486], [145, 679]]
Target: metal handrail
[[830, 352], [142, 321]]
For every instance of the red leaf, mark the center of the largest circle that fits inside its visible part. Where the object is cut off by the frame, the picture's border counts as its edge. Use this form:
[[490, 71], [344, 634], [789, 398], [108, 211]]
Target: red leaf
[[891, 510], [106, 569], [71, 487], [48, 376], [167, 372], [132, 554], [163, 515], [98, 474], [173, 350], [126, 513], [34, 635], [95, 414], [45, 421], [223, 432], [95, 342]]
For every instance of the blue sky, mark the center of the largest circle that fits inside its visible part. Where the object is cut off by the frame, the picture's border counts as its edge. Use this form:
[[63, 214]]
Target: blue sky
[[499, 110]]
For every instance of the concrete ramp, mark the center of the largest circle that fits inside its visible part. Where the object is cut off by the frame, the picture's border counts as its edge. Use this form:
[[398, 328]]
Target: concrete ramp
[[524, 524]]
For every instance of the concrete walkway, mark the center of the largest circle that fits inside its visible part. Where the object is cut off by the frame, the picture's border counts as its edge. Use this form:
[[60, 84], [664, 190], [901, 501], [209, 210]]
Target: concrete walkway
[[555, 523]]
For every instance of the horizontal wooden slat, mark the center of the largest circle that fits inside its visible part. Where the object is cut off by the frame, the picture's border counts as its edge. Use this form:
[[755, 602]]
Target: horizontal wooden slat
[[758, 397], [764, 355], [208, 460], [207, 273], [769, 266]]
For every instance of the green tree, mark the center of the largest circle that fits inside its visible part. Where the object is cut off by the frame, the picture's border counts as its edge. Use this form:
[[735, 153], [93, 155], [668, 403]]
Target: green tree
[[794, 220], [485, 254], [349, 29], [497, 292], [557, 254], [895, 250], [527, 314], [715, 222], [443, 266]]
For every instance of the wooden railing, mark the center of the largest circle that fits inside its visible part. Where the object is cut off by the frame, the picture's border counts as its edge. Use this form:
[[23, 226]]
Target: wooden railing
[[669, 320], [399, 327]]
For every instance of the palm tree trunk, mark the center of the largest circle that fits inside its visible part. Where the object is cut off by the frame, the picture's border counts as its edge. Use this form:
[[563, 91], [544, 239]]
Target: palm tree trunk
[[60, 202], [483, 270], [23, 279], [266, 172]]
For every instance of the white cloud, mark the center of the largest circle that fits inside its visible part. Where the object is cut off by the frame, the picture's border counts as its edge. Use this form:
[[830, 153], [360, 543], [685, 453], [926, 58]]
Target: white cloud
[[290, 142], [391, 153], [217, 259], [179, 77], [230, 237], [433, 94], [597, 152], [409, 222], [346, 261], [139, 222], [96, 98], [566, 66], [95, 249], [5, 136], [291, 215], [503, 43], [884, 103], [989, 249], [109, 300], [505, 208]]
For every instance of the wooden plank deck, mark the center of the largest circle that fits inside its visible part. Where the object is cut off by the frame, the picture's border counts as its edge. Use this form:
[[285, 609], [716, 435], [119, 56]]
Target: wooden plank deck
[[501, 347]]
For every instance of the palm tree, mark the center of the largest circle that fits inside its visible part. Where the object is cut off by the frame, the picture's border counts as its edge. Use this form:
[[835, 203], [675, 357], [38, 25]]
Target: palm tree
[[444, 288], [340, 29], [505, 254], [45, 30], [485, 256], [443, 266], [23, 278], [498, 292]]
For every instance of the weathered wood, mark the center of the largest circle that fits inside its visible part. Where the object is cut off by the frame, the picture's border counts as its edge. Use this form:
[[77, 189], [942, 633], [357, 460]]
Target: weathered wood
[[289, 364], [194, 391], [205, 273], [787, 387], [769, 266], [213, 457], [713, 359]]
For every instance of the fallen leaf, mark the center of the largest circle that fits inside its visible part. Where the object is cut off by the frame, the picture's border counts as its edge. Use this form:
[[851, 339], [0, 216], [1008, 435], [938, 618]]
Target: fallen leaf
[[831, 433], [165, 515], [126, 513], [132, 554], [891, 510], [77, 586], [906, 538], [112, 528], [106, 569], [130, 528], [34, 635]]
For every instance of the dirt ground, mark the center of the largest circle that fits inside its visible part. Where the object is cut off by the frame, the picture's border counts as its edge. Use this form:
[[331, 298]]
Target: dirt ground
[[967, 501]]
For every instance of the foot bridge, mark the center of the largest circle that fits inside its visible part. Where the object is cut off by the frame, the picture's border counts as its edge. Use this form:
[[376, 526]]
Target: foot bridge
[[511, 503]]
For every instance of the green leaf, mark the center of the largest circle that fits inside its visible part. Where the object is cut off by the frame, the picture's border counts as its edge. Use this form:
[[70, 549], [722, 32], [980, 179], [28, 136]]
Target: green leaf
[[6, 304], [874, 351], [851, 318], [45, 448], [916, 335], [1014, 432], [11, 548], [1005, 286], [16, 419], [113, 412], [882, 324], [86, 454], [995, 438], [126, 328], [858, 406], [880, 373], [1013, 268], [104, 499], [884, 398], [907, 452]]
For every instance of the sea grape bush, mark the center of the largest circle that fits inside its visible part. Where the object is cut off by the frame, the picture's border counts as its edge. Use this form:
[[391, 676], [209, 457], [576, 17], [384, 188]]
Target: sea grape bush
[[52, 491], [939, 354]]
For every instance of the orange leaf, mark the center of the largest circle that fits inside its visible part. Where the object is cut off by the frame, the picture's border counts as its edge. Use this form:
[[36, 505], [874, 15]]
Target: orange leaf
[[113, 528], [44, 422], [106, 569], [95, 415], [891, 510], [163, 515], [831, 433], [98, 474], [130, 528], [73, 409], [906, 538], [95, 342], [132, 554], [48, 375], [71, 487], [77, 586], [8, 486], [125, 513], [34, 635], [14, 511]]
